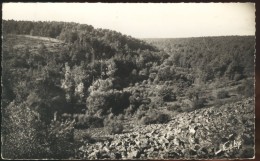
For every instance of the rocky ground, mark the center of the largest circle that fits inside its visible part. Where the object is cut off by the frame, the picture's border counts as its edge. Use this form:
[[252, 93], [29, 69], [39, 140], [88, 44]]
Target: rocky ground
[[215, 132]]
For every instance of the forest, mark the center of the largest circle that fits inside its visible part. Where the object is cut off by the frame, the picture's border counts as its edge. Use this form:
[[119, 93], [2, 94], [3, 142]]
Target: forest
[[67, 87]]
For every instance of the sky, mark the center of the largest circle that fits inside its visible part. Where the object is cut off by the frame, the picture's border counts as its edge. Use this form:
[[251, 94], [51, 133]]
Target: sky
[[145, 20]]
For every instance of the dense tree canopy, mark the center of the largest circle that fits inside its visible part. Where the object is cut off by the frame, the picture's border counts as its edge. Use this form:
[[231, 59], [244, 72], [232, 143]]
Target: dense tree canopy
[[56, 69]]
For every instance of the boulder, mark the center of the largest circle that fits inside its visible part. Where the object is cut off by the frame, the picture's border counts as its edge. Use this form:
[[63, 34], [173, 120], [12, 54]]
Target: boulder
[[134, 154]]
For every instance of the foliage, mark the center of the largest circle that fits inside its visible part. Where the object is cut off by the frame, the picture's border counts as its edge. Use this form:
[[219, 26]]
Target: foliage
[[85, 121], [21, 133], [222, 94], [154, 117], [60, 139], [167, 94], [113, 125], [115, 128], [215, 57], [94, 76], [175, 107], [25, 136], [101, 103], [247, 88], [102, 40], [198, 103]]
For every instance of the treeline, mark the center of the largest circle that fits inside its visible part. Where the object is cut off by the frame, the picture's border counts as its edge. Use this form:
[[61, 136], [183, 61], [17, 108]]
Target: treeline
[[82, 36], [211, 57]]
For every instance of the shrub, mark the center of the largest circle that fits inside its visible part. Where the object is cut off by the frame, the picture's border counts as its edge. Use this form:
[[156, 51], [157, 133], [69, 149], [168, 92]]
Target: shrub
[[247, 88], [167, 94], [60, 139], [88, 138], [120, 117], [186, 108], [85, 121], [94, 122], [100, 103], [238, 77], [140, 114], [28, 138], [222, 94], [175, 107], [198, 103], [115, 128], [146, 120], [21, 133], [162, 118], [155, 118]]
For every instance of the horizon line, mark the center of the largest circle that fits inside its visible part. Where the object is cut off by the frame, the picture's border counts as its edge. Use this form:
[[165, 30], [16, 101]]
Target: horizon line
[[125, 33]]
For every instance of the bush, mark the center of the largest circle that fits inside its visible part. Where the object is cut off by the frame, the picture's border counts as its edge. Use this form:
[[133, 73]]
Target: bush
[[26, 137], [198, 103], [155, 118], [100, 103], [120, 117], [60, 139], [222, 94], [21, 133], [88, 138], [85, 121], [167, 94], [146, 120], [247, 88], [115, 128], [162, 118], [175, 107], [140, 114]]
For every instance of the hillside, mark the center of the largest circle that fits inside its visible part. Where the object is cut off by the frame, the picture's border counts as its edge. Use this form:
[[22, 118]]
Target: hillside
[[75, 88], [215, 57], [223, 132]]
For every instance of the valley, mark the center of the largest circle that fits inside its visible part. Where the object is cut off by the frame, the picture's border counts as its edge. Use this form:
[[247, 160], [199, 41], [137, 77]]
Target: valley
[[71, 91]]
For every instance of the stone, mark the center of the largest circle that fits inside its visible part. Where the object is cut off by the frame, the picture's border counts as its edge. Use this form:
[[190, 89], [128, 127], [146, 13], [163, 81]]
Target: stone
[[134, 154], [176, 141], [106, 149], [116, 155]]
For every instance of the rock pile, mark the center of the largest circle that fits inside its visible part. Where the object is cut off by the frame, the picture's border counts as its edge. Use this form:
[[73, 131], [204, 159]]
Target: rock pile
[[224, 132]]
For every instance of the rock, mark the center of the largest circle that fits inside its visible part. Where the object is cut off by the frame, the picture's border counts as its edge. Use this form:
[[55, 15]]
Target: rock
[[105, 156], [134, 154], [153, 155], [150, 149], [203, 151], [192, 152], [247, 139], [133, 136], [176, 141], [95, 155], [116, 156], [106, 149], [165, 145], [169, 135], [193, 140], [143, 156], [124, 154], [192, 131], [173, 154], [196, 147]]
